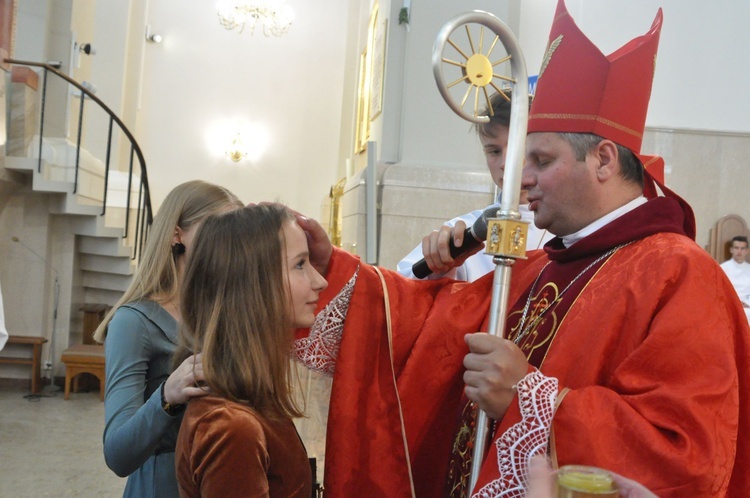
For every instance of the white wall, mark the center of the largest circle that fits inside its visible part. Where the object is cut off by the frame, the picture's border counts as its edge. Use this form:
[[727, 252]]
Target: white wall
[[107, 71], [202, 78], [429, 133], [451, 142], [701, 75]]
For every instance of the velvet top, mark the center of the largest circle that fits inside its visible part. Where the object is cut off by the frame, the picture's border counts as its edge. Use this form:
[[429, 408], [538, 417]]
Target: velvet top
[[228, 449]]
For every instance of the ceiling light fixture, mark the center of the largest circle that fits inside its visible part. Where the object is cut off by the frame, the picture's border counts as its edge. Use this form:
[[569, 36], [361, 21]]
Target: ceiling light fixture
[[275, 16]]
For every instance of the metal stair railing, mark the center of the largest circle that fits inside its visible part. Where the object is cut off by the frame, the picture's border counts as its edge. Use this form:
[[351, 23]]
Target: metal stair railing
[[144, 214]]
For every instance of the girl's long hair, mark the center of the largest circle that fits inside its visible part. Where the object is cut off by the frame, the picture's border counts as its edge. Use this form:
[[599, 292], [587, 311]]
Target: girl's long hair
[[234, 309], [185, 205]]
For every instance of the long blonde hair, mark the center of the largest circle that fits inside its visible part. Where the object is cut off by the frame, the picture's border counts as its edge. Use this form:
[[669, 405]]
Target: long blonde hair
[[187, 204], [235, 309]]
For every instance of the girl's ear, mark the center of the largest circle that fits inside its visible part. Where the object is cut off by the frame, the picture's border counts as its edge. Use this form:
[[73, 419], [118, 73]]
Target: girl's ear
[[177, 246], [177, 236]]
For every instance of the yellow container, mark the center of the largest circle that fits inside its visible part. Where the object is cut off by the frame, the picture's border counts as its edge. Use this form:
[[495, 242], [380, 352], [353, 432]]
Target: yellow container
[[578, 481]]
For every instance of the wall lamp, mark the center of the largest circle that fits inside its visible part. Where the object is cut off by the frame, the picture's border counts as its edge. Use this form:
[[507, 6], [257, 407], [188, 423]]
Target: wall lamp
[[86, 48], [152, 37], [236, 150]]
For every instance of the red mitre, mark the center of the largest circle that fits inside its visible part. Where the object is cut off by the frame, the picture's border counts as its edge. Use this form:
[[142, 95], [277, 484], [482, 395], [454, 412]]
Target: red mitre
[[580, 90]]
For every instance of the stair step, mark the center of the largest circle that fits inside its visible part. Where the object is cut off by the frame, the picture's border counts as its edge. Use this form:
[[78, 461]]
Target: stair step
[[68, 204], [22, 164], [106, 281], [103, 246], [95, 226], [30, 166], [105, 264], [39, 184], [104, 296]]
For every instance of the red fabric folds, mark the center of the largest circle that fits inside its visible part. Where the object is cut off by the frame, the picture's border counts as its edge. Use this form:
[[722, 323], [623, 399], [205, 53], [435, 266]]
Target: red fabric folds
[[655, 351]]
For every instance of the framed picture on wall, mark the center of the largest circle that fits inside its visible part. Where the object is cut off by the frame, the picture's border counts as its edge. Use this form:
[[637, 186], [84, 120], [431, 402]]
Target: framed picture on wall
[[362, 132], [370, 88], [378, 68]]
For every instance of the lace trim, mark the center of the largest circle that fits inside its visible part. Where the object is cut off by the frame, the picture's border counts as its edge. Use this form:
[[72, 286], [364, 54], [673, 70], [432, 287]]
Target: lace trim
[[536, 396], [318, 351]]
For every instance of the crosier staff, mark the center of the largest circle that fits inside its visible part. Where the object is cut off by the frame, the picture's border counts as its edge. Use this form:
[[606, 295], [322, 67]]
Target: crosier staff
[[506, 234]]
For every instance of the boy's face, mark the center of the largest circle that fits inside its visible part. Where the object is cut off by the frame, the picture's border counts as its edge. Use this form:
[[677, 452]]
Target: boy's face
[[495, 149]]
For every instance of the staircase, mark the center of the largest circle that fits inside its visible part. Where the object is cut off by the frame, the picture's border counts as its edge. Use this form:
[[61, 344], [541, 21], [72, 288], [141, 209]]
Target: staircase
[[107, 206], [105, 256]]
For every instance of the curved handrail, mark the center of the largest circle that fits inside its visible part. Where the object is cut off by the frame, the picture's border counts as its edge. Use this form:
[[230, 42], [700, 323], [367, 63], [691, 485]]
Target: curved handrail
[[145, 197]]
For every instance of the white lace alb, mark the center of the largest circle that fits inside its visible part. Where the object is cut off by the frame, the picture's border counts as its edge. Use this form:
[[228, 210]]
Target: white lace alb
[[318, 351], [537, 394]]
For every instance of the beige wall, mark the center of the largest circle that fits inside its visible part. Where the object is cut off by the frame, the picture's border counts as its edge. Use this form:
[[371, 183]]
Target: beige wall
[[708, 169]]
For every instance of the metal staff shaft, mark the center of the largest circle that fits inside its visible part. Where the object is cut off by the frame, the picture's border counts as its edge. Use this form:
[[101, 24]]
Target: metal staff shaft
[[498, 313], [506, 234]]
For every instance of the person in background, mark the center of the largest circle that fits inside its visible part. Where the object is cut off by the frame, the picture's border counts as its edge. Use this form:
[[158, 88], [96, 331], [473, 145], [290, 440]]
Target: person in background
[[738, 271], [494, 139], [144, 396], [248, 285]]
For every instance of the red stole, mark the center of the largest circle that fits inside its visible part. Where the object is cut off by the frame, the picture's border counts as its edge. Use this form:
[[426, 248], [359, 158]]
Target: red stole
[[570, 269], [534, 320]]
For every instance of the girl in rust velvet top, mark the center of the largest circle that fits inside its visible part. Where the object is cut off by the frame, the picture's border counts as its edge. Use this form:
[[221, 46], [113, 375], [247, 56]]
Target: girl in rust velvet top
[[247, 286]]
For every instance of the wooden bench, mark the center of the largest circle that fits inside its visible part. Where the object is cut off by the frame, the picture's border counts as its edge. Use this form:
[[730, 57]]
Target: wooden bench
[[83, 358], [35, 361]]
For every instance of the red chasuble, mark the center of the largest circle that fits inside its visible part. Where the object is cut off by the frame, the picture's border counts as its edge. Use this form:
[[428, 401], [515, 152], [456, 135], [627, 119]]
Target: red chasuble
[[650, 348]]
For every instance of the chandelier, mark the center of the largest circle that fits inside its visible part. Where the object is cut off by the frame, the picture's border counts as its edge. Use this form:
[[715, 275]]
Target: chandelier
[[274, 15]]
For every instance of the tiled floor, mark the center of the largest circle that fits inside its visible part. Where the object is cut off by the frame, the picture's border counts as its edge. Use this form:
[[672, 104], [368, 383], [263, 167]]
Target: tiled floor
[[53, 447]]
